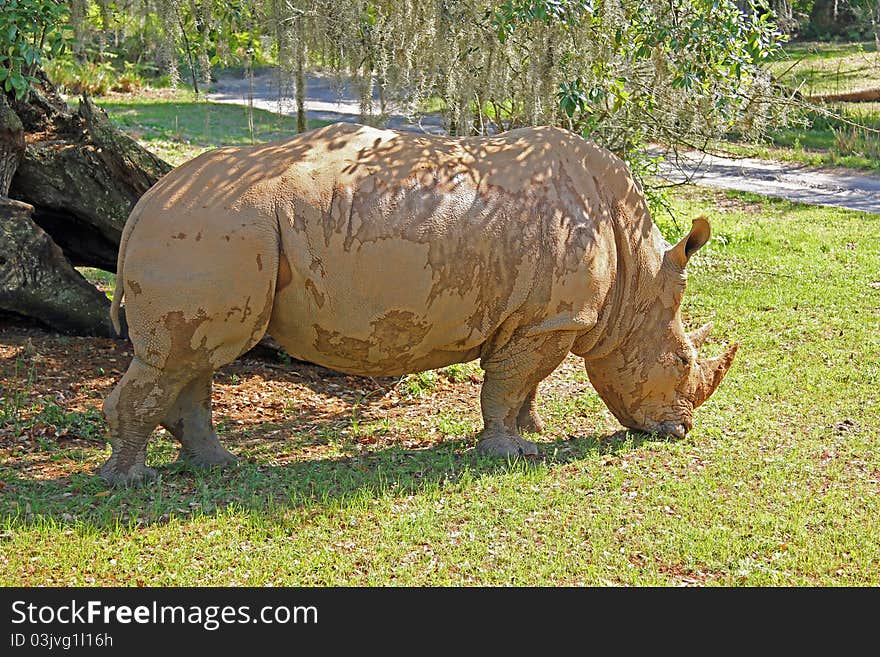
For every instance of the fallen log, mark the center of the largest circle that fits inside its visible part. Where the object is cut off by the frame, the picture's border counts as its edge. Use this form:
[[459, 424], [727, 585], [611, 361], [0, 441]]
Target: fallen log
[[862, 96], [37, 280], [68, 181]]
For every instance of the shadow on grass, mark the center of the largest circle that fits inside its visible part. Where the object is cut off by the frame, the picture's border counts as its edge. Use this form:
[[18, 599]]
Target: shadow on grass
[[271, 490], [47, 478]]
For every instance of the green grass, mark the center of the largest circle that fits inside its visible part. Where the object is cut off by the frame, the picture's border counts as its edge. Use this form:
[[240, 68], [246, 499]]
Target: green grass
[[850, 139], [822, 68], [177, 127], [823, 50], [778, 483], [103, 280], [846, 134], [75, 77]]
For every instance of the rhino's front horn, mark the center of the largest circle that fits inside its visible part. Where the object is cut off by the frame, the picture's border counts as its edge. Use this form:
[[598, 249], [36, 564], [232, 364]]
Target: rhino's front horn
[[698, 337], [713, 370]]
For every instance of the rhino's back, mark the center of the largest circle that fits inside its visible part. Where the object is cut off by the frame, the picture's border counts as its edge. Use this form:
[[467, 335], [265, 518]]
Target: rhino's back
[[404, 252]]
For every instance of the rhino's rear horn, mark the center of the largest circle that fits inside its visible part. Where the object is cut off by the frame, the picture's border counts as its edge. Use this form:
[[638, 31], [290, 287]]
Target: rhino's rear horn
[[713, 370], [698, 337]]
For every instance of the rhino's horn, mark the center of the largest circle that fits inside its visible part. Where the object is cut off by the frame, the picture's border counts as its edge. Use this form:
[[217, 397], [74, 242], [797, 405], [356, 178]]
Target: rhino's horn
[[698, 337], [713, 370]]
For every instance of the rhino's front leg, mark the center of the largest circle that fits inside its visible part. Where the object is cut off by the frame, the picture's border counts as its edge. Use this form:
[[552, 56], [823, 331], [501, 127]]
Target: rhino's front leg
[[189, 419], [509, 386]]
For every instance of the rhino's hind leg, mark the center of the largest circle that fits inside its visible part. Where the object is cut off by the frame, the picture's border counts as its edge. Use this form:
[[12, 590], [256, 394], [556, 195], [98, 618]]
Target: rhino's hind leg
[[200, 306], [509, 386], [133, 410], [189, 419], [529, 419]]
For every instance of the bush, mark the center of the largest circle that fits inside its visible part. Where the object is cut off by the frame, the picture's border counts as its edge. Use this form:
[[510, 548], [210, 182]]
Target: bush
[[97, 79]]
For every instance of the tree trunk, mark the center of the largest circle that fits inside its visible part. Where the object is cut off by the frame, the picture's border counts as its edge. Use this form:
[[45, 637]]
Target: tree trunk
[[830, 18], [83, 181], [301, 122], [861, 96], [77, 179], [875, 25], [36, 280], [11, 144]]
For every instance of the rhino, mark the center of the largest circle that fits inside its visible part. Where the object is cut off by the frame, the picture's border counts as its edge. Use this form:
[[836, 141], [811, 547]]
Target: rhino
[[380, 253]]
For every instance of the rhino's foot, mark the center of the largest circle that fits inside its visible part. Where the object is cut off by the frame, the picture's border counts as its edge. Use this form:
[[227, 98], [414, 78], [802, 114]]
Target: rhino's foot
[[506, 446], [215, 456], [136, 475]]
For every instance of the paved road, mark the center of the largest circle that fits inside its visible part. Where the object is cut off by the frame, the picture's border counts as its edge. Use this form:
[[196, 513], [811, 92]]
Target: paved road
[[329, 100], [835, 187]]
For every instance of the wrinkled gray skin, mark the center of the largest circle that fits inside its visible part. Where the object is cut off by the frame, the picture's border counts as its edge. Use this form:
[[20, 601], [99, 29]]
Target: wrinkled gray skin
[[381, 253]]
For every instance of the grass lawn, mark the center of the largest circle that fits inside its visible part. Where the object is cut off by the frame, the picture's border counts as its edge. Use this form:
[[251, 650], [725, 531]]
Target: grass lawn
[[177, 129], [822, 68], [848, 134], [346, 481], [851, 139]]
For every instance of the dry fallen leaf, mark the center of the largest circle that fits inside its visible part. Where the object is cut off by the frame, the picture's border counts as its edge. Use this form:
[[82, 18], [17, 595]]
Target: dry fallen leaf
[[103, 493]]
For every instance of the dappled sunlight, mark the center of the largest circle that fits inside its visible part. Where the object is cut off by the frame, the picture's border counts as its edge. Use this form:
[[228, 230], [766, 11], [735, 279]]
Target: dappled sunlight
[[343, 483]]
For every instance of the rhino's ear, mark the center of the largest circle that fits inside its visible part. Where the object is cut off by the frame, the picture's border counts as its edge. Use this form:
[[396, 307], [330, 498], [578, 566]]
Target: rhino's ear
[[679, 254]]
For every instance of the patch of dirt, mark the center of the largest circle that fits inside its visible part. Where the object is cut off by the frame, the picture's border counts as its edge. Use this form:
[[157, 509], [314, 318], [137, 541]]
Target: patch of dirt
[[52, 388], [685, 576], [737, 204], [719, 198]]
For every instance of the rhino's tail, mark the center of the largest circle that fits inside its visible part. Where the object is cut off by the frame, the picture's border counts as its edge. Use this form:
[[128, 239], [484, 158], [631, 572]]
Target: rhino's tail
[[119, 288], [118, 292]]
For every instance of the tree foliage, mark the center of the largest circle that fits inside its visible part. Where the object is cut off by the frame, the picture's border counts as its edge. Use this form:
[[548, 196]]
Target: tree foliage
[[28, 30], [631, 71], [624, 72]]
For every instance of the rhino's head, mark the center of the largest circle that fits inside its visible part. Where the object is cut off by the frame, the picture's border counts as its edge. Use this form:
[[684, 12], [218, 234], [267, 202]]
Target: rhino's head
[[654, 378]]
